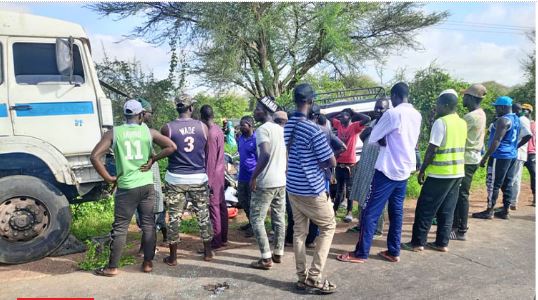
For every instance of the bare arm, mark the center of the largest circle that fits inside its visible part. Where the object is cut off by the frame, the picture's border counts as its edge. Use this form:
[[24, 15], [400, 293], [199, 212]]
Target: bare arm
[[524, 140], [428, 158], [329, 163], [361, 118], [167, 147], [263, 160], [98, 151], [502, 125]]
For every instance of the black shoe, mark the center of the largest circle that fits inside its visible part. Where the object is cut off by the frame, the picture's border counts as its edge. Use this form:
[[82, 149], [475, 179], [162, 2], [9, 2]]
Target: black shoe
[[504, 214], [487, 214], [244, 227], [457, 235], [249, 233]]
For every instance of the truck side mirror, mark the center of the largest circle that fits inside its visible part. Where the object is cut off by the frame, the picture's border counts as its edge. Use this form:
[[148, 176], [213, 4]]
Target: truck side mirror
[[64, 57]]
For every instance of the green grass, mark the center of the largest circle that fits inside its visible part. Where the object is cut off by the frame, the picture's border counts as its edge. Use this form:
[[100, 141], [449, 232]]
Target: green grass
[[97, 257], [92, 219]]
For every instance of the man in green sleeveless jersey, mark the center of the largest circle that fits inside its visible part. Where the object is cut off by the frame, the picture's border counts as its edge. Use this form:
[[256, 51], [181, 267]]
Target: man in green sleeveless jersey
[[132, 144]]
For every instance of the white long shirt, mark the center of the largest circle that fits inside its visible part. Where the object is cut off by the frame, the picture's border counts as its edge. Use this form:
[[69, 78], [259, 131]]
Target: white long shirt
[[401, 128]]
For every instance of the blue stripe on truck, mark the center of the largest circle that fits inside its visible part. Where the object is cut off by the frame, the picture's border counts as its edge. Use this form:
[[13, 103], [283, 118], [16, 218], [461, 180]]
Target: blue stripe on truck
[[55, 109], [3, 110]]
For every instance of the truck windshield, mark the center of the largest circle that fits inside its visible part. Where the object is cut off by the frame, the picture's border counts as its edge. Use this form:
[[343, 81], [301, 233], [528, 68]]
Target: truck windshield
[[35, 63]]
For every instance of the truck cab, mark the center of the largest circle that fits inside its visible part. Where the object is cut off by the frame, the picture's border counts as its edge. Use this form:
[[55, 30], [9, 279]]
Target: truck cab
[[52, 113]]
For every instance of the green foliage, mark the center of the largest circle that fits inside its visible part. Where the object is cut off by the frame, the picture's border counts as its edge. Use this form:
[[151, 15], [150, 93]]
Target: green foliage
[[92, 219], [97, 257], [229, 106], [267, 47], [230, 149]]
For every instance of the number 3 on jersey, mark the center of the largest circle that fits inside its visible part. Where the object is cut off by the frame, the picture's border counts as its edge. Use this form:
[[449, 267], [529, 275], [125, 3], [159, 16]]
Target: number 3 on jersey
[[190, 144], [129, 150]]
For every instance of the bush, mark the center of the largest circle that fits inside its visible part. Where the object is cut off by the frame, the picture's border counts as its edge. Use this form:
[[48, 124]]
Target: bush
[[92, 219], [97, 256]]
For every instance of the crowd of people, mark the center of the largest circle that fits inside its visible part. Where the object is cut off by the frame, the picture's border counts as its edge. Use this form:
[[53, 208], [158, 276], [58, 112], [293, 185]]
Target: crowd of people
[[304, 165]]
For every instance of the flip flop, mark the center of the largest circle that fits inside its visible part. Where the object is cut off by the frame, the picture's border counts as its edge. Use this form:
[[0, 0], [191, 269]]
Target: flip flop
[[350, 258], [101, 272], [385, 254]]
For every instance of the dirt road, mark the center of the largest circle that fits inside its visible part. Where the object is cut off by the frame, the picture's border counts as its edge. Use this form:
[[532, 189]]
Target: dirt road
[[497, 262]]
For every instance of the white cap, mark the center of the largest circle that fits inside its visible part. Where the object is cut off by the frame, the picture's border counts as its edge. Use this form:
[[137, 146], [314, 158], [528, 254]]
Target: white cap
[[132, 108], [449, 91]]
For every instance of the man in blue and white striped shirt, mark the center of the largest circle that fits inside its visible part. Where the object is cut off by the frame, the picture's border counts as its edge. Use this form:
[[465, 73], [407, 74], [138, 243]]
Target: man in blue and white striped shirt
[[309, 155]]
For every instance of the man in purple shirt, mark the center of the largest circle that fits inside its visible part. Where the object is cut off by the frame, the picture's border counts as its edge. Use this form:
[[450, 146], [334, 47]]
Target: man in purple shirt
[[218, 212], [248, 158]]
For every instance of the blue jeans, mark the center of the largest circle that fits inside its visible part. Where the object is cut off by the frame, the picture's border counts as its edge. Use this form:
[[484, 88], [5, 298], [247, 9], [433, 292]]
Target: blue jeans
[[383, 190]]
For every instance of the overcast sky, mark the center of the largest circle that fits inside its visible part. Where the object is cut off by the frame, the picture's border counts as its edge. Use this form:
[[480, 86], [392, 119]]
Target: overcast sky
[[479, 42]]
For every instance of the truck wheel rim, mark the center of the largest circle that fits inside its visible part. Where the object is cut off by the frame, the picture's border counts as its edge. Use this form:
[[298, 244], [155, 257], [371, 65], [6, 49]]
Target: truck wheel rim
[[23, 219]]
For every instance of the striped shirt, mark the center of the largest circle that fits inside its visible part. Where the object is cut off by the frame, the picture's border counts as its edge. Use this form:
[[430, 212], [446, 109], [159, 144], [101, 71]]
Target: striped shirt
[[308, 148]]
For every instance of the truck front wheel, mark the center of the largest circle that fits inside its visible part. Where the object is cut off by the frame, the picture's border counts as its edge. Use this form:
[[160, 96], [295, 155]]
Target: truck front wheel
[[34, 219]]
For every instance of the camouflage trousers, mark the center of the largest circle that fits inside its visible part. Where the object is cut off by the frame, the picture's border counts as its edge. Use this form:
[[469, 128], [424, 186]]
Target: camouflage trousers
[[177, 197]]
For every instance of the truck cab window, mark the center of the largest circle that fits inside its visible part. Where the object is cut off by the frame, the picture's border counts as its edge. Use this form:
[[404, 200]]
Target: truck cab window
[[35, 63]]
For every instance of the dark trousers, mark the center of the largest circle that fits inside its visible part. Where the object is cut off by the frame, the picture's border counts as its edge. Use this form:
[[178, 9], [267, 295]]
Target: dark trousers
[[383, 190], [501, 176], [126, 202], [218, 213], [530, 164], [313, 230], [243, 197], [461, 213], [438, 197], [343, 186]]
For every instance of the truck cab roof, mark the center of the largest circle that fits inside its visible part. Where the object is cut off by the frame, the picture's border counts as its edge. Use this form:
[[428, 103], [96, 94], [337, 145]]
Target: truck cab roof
[[22, 24]]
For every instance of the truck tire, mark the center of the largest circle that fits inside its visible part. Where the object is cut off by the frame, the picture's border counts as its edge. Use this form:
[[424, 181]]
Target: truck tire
[[34, 219]]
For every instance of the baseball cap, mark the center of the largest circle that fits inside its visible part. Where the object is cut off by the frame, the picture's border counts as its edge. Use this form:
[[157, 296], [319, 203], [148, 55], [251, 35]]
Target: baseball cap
[[449, 91], [280, 115], [503, 101], [527, 106], [132, 108], [476, 90], [146, 105], [303, 92], [184, 100], [269, 103]]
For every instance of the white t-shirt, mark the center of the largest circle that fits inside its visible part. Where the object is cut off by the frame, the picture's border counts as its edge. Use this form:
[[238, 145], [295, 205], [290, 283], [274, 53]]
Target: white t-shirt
[[274, 174], [400, 126], [437, 137], [524, 131]]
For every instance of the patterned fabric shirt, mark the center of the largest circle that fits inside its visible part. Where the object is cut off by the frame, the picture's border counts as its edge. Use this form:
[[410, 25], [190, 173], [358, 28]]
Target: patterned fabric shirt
[[308, 147]]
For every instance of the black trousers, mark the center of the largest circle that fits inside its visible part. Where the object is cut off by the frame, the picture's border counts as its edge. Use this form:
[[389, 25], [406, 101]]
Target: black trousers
[[530, 164], [461, 213], [343, 186], [126, 202], [437, 197], [501, 176]]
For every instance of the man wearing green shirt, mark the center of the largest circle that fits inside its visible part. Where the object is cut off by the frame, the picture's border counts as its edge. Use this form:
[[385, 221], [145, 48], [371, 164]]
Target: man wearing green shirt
[[132, 144]]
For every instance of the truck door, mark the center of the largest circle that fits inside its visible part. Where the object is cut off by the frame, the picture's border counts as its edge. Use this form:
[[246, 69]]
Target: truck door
[[5, 121], [44, 103]]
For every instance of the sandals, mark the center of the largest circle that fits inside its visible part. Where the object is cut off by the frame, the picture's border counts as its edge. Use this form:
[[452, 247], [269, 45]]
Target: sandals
[[318, 287], [260, 264], [385, 254], [350, 258], [101, 272]]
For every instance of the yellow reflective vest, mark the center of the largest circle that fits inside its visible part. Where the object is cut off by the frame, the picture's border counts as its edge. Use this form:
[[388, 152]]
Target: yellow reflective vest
[[449, 158]]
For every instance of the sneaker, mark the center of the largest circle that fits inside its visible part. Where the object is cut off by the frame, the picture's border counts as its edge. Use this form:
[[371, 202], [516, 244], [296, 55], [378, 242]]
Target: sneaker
[[378, 236], [244, 227], [504, 214], [486, 214], [437, 248], [249, 233], [348, 218], [513, 207], [311, 245], [277, 258], [410, 247], [457, 235]]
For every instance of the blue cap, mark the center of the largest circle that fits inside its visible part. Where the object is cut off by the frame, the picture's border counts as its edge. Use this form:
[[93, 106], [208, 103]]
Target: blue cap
[[503, 101]]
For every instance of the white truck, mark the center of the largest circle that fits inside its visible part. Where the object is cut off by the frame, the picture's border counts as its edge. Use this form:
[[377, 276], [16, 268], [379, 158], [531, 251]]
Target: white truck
[[52, 113]]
